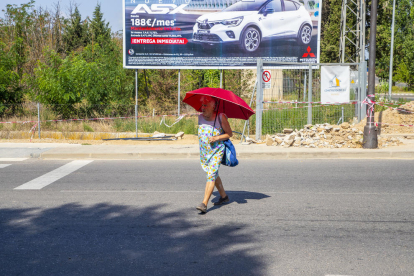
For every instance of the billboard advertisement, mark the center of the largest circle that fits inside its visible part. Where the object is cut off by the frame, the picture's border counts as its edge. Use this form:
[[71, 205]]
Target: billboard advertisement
[[227, 34]]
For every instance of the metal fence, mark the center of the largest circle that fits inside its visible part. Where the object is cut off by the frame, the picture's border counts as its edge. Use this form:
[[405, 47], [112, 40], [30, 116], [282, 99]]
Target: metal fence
[[291, 101], [293, 98]]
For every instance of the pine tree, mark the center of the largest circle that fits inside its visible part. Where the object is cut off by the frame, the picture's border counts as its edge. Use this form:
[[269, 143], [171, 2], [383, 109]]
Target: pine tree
[[75, 35], [331, 30], [100, 30]]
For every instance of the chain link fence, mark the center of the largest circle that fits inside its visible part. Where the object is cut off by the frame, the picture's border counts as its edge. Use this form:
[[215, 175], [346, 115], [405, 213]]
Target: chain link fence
[[291, 98], [284, 103]]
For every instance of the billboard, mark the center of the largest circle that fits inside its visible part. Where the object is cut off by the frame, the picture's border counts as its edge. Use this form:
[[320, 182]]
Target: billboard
[[226, 34]]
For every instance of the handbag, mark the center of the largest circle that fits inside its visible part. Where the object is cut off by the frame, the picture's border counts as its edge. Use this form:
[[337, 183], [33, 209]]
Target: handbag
[[229, 157]]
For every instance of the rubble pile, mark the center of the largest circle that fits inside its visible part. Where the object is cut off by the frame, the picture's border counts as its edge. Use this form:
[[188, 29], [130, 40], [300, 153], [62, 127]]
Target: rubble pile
[[394, 121], [324, 136]]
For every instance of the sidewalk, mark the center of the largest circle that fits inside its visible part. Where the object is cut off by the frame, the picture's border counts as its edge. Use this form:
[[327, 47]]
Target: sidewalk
[[52, 151]]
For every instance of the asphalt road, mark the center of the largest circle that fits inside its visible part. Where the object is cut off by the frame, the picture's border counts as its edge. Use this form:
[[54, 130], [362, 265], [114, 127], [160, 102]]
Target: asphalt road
[[398, 97], [311, 217]]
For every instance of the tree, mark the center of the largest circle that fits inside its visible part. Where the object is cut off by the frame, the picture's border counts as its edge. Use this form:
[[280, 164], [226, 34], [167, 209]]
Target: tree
[[10, 91], [331, 30], [75, 33], [100, 30]]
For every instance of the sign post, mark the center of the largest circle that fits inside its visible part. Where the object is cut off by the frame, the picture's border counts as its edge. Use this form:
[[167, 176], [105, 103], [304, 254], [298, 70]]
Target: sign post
[[259, 99]]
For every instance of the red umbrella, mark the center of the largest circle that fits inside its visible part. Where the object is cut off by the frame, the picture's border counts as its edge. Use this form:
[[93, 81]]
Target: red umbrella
[[229, 103]]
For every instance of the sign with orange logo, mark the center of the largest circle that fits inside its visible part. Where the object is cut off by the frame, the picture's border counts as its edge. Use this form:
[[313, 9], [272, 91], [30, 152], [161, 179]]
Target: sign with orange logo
[[335, 84]]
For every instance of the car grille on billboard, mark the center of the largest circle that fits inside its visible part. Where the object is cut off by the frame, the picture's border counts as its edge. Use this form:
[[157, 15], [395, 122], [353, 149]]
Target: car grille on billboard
[[207, 37], [206, 26]]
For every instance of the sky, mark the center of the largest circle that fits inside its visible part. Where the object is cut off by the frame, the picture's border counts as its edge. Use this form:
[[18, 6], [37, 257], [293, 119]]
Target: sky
[[111, 9]]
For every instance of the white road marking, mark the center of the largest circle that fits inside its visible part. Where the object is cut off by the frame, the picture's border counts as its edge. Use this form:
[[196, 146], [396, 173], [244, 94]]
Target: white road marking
[[4, 165], [233, 192], [49, 178], [126, 191], [12, 159]]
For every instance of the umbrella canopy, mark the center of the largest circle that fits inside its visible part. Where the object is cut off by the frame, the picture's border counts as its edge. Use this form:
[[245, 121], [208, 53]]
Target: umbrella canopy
[[229, 103]]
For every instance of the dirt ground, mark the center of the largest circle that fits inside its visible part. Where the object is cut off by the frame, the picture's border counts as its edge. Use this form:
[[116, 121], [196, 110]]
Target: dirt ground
[[389, 121], [187, 140]]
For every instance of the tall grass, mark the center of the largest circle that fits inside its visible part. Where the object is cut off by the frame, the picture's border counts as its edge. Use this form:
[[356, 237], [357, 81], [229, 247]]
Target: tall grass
[[274, 121]]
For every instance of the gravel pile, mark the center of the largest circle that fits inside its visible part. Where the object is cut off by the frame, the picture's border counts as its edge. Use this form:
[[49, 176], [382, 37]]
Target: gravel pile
[[324, 136]]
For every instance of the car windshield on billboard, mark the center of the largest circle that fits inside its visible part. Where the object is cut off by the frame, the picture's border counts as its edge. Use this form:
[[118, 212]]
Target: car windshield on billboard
[[219, 33], [245, 6]]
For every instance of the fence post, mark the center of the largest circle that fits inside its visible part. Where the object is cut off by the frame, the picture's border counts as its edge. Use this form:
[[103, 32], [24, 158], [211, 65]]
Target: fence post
[[363, 93], [38, 118], [221, 78], [259, 99], [310, 96], [304, 89], [247, 121], [359, 90], [179, 93]]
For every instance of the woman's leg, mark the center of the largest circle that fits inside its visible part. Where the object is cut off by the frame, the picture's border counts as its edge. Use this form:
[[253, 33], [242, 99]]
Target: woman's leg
[[208, 192], [219, 186], [210, 188]]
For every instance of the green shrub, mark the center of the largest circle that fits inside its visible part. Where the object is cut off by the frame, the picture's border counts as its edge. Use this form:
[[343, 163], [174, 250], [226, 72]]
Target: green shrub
[[87, 128]]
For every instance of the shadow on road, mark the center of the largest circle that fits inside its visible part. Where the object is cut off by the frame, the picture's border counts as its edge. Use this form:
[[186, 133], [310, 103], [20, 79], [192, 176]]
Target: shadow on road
[[240, 196], [107, 239]]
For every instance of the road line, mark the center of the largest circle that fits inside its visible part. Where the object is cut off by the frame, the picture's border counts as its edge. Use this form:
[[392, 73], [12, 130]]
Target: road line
[[12, 159], [49, 178], [125, 191], [4, 165], [232, 192]]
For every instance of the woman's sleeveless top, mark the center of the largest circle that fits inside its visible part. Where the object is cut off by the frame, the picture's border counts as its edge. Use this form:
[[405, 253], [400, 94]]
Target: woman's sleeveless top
[[213, 123]]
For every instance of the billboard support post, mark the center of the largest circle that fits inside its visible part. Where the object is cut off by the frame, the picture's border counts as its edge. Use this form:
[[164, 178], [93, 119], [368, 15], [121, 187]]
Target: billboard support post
[[259, 99], [310, 96], [179, 92], [247, 121], [136, 102]]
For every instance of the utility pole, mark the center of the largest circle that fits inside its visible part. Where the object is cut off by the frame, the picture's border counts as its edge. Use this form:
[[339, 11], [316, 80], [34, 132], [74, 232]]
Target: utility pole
[[392, 51], [370, 132]]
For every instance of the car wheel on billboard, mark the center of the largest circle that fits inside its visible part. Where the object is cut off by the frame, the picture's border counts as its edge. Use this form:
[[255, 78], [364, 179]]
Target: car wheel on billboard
[[305, 35], [250, 40]]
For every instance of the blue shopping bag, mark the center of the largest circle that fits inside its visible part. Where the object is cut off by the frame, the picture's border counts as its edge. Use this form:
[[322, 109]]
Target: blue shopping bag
[[229, 157]]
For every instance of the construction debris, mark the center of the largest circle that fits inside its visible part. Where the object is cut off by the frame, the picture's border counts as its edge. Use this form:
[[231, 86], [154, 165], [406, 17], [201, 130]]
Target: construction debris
[[325, 136], [180, 135]]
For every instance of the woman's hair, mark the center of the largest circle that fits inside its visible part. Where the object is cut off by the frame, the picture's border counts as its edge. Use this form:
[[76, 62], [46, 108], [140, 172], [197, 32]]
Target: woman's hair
[[208, 99]]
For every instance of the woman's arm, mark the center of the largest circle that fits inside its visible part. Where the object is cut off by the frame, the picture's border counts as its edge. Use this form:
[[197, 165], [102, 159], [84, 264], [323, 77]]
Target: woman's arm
[[227, 131]]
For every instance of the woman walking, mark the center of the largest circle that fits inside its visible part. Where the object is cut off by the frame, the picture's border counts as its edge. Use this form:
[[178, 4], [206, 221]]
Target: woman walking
[[213, 128]]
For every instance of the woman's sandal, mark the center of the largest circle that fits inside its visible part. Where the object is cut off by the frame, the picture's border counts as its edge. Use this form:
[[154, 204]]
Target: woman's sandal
[[202, 207]]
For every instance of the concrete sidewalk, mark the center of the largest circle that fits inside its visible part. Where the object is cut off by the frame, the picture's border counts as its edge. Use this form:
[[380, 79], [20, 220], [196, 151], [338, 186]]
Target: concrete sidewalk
[[131, 152]]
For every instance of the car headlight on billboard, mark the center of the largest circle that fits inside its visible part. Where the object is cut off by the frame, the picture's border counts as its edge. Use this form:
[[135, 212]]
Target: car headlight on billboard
[[233, 22]]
